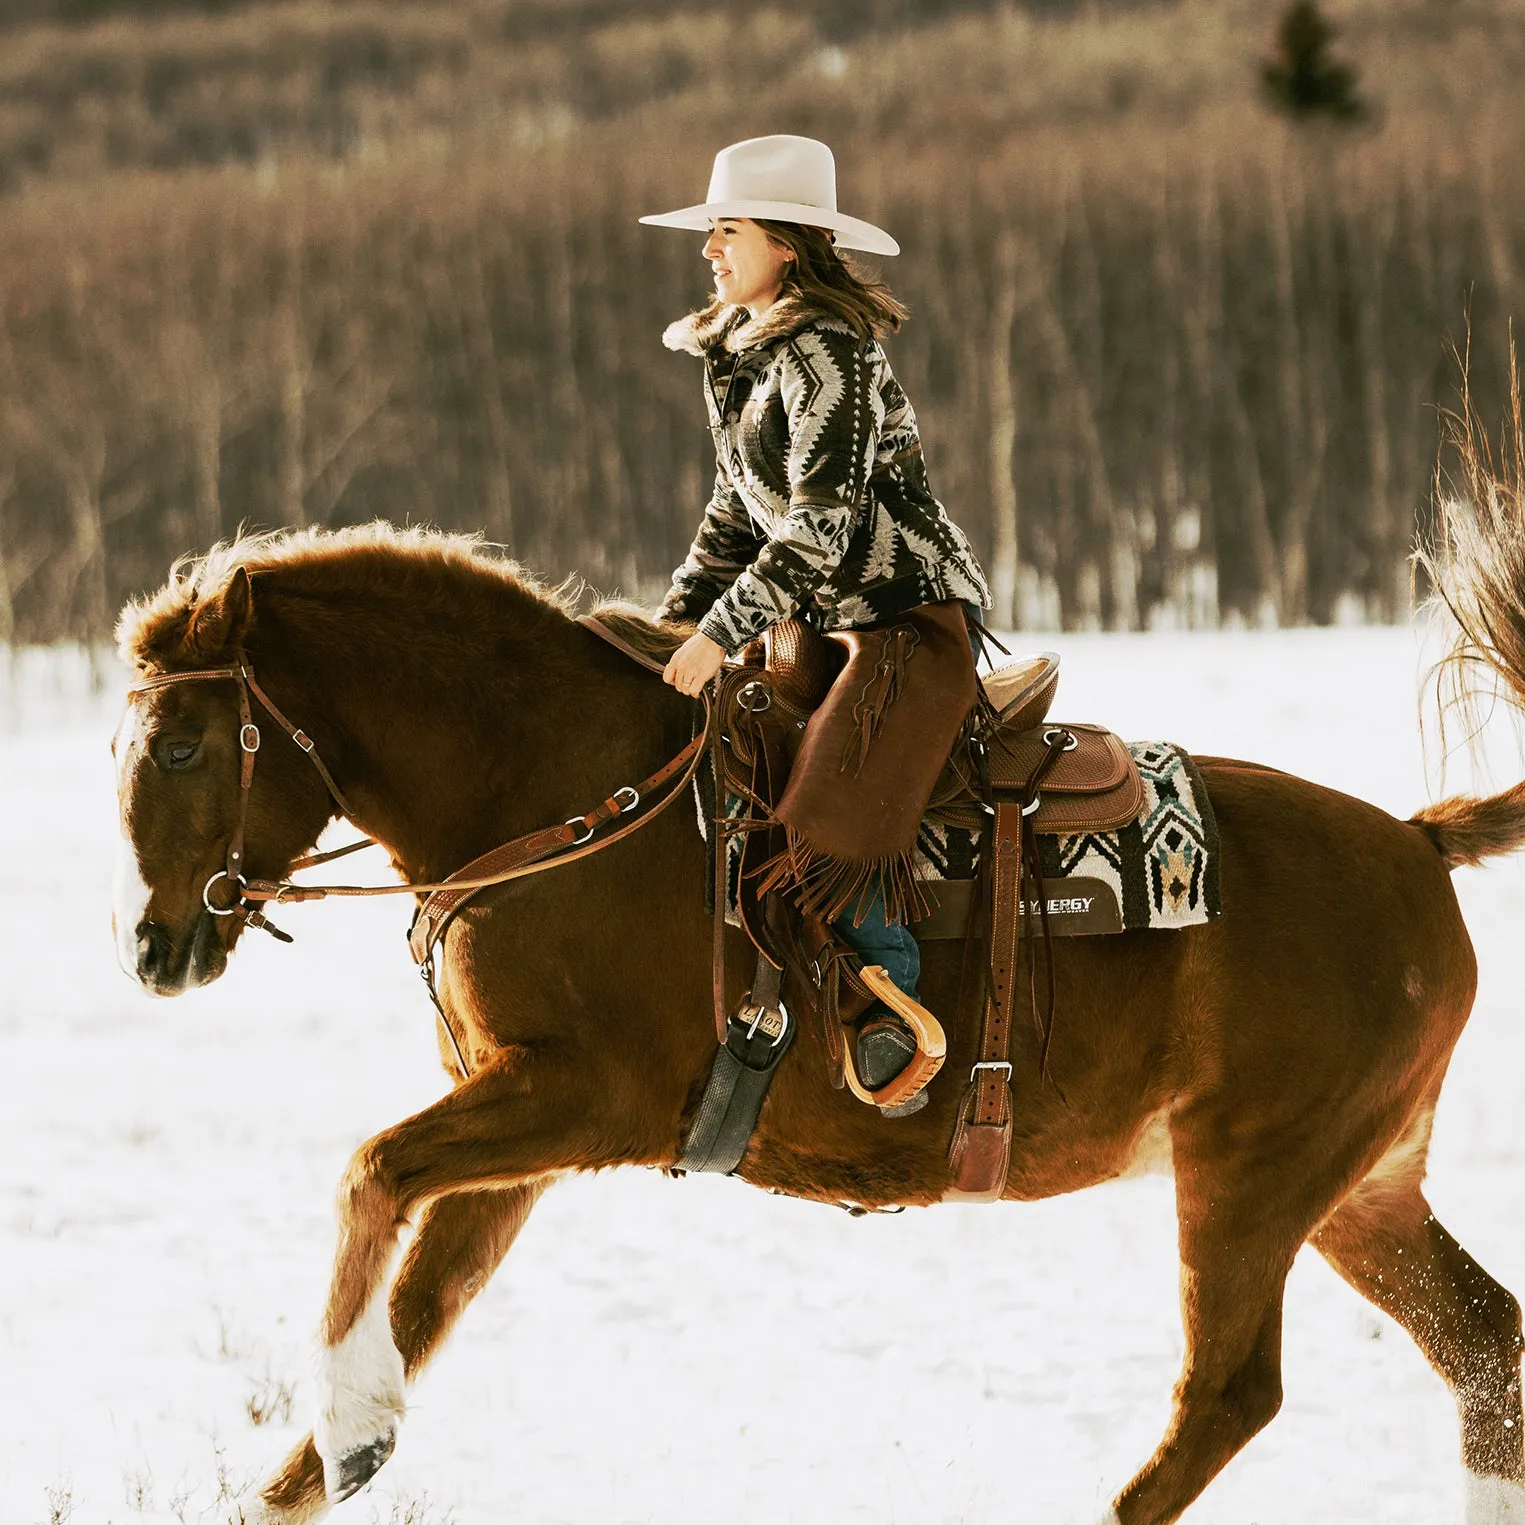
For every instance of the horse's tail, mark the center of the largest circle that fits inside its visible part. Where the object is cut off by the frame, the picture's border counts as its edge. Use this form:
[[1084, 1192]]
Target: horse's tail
[[1467, 830], [1475, 564]]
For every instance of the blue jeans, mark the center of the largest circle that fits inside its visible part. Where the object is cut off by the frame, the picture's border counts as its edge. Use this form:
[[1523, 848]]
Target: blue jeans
[[876, 940]]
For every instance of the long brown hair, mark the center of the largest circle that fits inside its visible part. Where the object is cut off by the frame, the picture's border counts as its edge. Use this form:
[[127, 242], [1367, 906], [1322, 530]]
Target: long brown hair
[[820, 275], [823, 277]]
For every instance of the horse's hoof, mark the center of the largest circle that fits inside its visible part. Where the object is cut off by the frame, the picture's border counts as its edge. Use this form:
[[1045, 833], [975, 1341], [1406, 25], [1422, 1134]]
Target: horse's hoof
[[347, 1474]]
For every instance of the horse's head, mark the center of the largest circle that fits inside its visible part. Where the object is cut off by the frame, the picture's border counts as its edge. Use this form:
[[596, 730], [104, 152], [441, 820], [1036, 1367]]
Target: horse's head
[[182, 753]]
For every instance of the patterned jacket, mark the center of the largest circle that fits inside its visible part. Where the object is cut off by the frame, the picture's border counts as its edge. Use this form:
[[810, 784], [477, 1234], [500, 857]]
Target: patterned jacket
[[821, 500]]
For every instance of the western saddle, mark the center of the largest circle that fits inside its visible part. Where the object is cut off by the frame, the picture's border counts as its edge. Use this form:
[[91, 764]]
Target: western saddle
[[1010, 777]]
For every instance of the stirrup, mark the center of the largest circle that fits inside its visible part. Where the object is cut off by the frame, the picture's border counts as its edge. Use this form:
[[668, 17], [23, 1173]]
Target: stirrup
[[931, 1045]]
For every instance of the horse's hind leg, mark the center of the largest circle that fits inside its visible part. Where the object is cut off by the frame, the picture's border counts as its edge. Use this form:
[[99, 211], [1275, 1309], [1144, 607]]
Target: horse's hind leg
[[460, 1241], [1387, 1244]]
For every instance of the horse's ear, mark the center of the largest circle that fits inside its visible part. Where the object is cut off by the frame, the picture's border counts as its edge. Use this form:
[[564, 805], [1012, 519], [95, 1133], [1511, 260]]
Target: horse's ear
[[221, 621]]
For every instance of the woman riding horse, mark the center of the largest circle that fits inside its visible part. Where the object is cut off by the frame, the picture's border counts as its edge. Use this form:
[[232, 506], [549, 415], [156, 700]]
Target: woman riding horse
[[821, 508]]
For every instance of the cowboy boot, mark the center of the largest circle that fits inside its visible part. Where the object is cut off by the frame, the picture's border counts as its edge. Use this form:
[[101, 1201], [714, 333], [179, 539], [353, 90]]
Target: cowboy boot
[[900, 1047], [884, 1048]]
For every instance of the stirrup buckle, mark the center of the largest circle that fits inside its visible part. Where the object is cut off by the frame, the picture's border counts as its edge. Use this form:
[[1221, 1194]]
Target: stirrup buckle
[[991, 1064]]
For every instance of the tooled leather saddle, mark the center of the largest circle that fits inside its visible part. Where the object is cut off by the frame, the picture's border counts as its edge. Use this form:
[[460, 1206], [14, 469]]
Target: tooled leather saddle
[[1010, 776]]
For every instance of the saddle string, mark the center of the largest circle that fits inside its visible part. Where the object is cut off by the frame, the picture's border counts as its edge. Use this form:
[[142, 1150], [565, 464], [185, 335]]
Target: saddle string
[[1057, 741]]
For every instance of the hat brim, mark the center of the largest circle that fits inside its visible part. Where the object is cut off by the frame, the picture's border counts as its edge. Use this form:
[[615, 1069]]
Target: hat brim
[[851, 232]]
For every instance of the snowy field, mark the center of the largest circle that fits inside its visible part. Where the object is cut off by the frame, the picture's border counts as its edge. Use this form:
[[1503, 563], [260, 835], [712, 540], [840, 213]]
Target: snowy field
[[167, 1170]]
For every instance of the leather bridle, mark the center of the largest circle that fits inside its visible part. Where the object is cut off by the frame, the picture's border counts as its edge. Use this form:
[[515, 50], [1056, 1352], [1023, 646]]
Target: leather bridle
[[248, 747], [532, 853]]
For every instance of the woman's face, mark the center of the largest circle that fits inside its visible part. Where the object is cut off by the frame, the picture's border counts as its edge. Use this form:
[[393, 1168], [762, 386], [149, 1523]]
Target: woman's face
[[749, 267]]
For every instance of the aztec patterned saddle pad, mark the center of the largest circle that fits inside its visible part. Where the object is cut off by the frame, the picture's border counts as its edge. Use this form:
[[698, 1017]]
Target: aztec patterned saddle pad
[[1160, 872]]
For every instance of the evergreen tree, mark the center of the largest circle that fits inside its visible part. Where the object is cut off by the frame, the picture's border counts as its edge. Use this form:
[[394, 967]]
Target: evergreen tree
[[1303, 79]]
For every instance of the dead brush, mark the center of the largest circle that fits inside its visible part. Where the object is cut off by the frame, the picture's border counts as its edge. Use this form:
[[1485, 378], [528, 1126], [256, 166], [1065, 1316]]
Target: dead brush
[[270, 1402]]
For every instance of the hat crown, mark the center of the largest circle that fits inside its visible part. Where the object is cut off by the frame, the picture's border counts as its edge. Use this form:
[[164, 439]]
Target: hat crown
[[776, 168]]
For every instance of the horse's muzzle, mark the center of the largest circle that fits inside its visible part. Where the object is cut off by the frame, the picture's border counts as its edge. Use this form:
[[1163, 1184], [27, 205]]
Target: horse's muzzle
[[163, 968]]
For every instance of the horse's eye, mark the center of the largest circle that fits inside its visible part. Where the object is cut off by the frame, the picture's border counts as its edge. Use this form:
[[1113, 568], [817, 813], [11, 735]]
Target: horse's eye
[[171, 755]]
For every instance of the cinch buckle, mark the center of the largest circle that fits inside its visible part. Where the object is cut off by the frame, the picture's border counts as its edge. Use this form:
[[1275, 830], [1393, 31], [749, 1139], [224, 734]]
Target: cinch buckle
[[762, 1011], [626, 806], [991, 1064], [587, 831]]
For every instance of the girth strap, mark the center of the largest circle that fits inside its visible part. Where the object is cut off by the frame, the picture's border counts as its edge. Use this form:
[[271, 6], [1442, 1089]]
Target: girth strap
[[756, 1038]]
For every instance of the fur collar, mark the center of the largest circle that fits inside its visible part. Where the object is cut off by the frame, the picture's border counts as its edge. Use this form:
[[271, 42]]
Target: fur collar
[[732, 327]]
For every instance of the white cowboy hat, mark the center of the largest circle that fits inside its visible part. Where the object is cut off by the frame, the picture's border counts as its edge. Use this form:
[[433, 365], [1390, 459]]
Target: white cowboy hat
[[783, 179]]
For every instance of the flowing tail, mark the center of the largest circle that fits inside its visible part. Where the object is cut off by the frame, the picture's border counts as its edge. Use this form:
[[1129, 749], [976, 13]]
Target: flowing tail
[[1476, 568]]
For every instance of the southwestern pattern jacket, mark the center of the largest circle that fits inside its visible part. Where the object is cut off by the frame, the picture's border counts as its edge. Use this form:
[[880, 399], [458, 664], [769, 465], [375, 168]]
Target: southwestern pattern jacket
[[821, 499]]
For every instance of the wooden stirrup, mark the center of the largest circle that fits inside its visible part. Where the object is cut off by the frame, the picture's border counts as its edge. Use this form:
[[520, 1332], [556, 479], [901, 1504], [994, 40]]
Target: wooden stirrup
[[931, 1045]]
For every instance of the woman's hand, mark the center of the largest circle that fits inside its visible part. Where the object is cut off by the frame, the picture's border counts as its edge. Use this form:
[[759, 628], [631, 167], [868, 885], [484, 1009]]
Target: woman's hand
[[693, 664]]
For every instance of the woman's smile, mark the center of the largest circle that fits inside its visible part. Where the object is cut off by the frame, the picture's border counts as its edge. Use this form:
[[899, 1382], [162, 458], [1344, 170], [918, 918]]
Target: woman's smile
[[747, 265]]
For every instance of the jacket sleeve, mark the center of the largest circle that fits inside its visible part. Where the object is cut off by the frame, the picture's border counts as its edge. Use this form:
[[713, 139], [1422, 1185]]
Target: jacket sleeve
[[829, 387], [726, 544]]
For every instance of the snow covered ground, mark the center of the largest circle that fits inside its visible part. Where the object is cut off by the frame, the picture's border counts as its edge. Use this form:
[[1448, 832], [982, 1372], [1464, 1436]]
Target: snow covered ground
[[659, 1350]]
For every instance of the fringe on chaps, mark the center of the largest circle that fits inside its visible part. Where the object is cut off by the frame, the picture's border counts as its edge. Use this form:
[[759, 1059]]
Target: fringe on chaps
[[870, 758]]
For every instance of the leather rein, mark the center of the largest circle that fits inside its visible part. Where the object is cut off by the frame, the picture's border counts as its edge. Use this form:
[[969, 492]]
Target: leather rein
[[532, 853]]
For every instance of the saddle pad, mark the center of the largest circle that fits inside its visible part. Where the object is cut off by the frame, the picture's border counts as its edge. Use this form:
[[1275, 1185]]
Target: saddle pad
[[1162, 869]]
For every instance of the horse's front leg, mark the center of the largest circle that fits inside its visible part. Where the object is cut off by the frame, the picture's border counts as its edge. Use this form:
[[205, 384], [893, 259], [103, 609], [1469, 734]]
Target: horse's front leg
[[460, 1242], [524, 1118]]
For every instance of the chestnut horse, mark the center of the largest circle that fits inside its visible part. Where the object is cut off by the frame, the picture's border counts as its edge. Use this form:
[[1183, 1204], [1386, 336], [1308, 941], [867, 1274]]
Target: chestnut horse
[[1284, 1059]]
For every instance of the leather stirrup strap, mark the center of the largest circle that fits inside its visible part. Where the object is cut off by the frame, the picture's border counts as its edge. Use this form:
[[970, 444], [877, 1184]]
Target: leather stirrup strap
[[981, 1148]]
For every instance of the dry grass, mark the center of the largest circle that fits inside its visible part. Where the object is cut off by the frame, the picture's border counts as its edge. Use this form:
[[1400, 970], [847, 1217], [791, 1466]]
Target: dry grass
[[1174, 358]]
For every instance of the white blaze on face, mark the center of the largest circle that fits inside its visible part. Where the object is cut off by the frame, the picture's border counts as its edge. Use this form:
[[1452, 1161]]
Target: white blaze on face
[[129, 894]]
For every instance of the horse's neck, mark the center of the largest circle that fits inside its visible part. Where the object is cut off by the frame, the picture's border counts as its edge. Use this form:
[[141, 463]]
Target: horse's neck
[[448, 760]]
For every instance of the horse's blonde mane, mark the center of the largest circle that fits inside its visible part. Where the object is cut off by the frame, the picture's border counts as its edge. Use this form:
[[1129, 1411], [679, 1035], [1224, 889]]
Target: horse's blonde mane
[[159, 631]]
